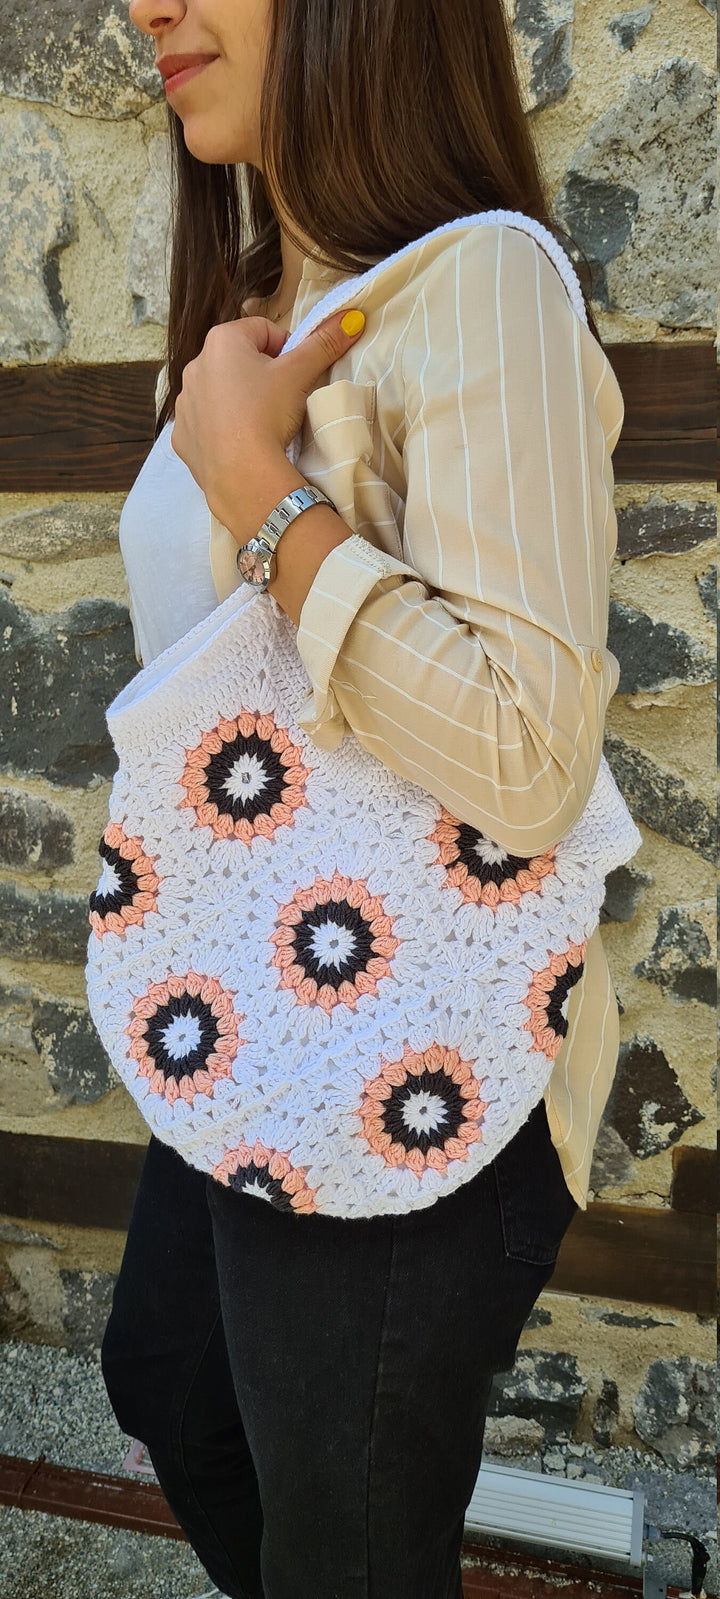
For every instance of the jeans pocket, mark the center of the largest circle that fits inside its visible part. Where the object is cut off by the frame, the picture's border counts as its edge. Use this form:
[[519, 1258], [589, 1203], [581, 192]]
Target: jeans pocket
[[536, 1206]]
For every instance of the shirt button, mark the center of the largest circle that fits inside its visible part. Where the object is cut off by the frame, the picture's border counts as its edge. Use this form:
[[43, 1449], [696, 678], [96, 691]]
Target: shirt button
[[596, 661]]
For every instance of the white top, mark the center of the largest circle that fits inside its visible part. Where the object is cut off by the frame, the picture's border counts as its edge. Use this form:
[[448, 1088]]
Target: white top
[[165, 546]]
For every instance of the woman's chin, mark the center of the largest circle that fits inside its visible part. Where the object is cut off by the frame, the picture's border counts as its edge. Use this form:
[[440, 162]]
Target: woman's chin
[[211, 145]]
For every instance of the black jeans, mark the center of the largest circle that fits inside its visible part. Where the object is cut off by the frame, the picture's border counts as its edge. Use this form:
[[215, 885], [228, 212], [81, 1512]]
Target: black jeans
[[313, 1391]]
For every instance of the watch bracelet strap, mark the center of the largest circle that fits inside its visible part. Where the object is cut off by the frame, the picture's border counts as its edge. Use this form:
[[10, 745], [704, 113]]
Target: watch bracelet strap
[[286, 510]]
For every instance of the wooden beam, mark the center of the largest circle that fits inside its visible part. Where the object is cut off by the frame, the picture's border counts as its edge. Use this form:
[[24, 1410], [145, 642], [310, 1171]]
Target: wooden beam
[[670, 427], [73, 428], [519, 1574], [86, 1496], [650, 1256], [77, 1182], [695, 1176], [498, 1573]]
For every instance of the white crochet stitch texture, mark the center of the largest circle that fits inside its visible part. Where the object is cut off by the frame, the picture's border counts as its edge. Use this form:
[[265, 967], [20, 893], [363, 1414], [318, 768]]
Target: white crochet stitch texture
[[316, 983], [298, 964]]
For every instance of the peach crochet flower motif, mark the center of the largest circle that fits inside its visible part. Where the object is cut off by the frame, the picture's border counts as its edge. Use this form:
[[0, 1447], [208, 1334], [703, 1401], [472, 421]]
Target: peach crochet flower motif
[[245, 778], [184, 1035], [485, 873], [333, 943], [128, 888], [548, 998], [422, 1111], [267, 1173]]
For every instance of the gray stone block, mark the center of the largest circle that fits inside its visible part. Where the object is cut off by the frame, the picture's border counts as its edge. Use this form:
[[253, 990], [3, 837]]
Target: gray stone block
[[646, 1104], [624, 1318], [624, 889], [544, 33], [606, 1412], [12, 1232], [612, 1163], [77, 1066], [98, 215], [654, 655], [50, 1054], [627, 26], [664, 527], [83, 55], [88, 1298], [69, 530], [683, 959], [600, 216], [707, 589], [674, 1411], [683, 1500], [544, 1386], [539, 1317], [43, 924], [507, 1436], [33, 831], [37, 221], [15, 1313], [58, 674], [24, 1087], [661, 799], [648, 158], [148, 269]]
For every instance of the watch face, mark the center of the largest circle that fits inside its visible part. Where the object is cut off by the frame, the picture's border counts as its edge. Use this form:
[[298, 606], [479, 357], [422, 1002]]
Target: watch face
[[251, 563]]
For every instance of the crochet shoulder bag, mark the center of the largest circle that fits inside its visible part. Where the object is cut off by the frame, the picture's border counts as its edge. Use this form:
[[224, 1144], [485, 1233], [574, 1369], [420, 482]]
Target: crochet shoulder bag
[[317, 984]]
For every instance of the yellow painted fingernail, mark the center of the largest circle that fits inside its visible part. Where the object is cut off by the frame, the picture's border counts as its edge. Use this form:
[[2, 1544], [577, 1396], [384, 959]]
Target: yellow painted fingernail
[[353, 322]]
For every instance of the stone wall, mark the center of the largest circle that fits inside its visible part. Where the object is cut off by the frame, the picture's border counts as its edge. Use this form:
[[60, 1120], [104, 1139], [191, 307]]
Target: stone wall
[[624, 104]]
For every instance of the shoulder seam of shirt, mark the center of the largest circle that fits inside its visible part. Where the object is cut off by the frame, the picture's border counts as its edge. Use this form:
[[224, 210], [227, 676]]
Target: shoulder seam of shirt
[[441, 261]]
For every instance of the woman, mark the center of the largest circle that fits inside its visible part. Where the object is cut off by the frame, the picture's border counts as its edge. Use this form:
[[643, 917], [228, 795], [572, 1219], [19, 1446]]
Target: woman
[[313, 1391]]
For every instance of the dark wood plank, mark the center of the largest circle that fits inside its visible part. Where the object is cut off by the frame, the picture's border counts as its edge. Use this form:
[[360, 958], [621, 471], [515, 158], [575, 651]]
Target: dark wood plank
[[498, 1570], [650, 1256], [514, 1572], [69, 428], [75, 428], [653, 1256], [679, 460], [670, 427], [86, 1496], [694, 1185], [80, 1182], [669, 389]]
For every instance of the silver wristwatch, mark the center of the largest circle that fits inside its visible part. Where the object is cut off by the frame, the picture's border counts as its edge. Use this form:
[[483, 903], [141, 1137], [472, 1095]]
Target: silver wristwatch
[[256, 560]]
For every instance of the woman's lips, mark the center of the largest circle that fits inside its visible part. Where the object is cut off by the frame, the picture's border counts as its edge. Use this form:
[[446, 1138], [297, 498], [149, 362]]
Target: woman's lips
[[183, 76]]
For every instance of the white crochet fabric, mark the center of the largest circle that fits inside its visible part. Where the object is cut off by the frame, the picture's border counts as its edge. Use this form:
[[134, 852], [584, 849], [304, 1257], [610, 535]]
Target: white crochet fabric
[[316, 983]]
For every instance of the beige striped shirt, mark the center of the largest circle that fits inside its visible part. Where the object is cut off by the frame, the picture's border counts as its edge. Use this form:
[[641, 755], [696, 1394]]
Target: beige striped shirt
[[460, 632]]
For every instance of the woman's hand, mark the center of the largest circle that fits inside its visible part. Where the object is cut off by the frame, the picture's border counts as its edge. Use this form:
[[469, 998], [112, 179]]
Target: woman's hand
[[239, 406]]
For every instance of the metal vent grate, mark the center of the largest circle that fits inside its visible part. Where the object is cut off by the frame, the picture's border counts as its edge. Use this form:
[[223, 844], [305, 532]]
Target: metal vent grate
[[589, 1517]]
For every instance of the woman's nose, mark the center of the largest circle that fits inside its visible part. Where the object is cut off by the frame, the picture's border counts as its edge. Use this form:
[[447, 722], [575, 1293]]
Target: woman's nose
[[153, 16]]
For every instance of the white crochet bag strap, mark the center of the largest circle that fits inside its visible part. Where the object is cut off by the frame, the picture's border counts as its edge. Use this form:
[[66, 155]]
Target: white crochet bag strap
[[345, 291], [558, 256]]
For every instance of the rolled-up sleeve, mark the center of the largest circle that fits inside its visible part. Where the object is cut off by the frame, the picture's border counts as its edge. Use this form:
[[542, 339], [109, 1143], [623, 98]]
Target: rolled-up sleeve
[[478, 666]]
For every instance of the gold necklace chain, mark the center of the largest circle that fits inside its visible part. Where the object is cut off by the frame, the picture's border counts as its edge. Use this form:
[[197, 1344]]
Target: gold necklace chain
[[276, 318]]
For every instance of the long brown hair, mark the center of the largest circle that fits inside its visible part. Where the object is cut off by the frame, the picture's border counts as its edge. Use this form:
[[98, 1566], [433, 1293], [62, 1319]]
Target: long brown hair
[[379, 120]]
